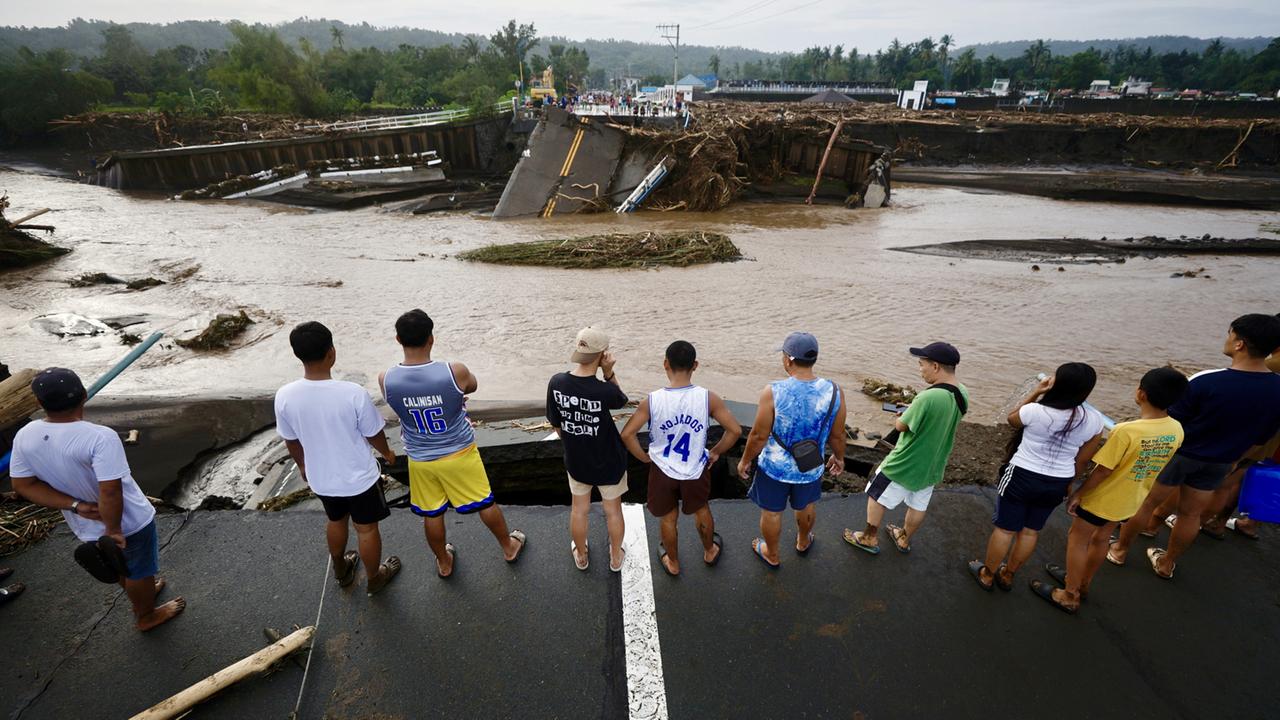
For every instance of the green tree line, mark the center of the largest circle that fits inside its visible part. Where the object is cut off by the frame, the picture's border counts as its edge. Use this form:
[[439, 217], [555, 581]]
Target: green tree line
[[1216, 68], [259, 70]]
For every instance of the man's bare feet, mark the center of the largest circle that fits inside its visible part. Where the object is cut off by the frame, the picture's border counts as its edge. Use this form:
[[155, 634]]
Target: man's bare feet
[[160, 583], [1116, 555], [1063, 598], [162, 614], [710, 556]]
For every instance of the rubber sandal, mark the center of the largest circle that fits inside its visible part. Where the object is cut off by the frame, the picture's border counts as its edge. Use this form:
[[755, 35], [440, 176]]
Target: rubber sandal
[[113, 556], [1045, 591], [1112, 558], [852, 538], [755, 548], [9, 593], [1057, 572], [618, 569], [573, 551], [1235, 527], [975, 569], [1154, 555], [453, 566], [352, 559], [1204, 530], [662, 557], [894, 533], [1169, 520], [387, 571], [1000, 582], [519, 537], [89, 557], [718, 542], [808, 547]]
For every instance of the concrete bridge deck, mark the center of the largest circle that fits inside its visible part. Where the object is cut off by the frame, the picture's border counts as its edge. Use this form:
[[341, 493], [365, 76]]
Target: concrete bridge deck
[[836, 634]]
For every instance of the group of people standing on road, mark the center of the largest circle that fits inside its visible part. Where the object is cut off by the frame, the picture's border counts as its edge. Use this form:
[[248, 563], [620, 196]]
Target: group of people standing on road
[[1180, 462]]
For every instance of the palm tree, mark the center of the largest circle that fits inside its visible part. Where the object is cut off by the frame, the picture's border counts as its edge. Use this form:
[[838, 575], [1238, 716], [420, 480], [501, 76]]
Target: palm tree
[[471, 48], [1037, 56], [714, 64], [945, 44], [335, 33]]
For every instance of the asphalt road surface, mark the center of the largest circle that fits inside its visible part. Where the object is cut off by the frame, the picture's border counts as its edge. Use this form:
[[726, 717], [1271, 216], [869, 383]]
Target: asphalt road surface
[[835, 634]]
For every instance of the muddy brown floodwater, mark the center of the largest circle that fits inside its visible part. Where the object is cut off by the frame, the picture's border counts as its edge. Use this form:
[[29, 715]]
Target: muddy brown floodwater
[[823, 269]]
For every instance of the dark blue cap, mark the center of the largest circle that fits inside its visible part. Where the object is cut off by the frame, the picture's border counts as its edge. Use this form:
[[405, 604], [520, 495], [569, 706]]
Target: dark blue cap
[[939, 352], [58, 389], [800, 346]]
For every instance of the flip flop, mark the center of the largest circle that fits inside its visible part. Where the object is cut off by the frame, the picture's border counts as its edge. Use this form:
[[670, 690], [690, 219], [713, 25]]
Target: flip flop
[[520, 538], [808, 547], [975, 569], [89, 557], [453, 555], [755, 548], [387, 570], [894, 532], [1234, 527], [1057, 572], [1169, 520], [352, 558], [618, 569], [1154, 555], [11, 592], [1000, 582], [662, 557], [573, 551], [113, 556], [1044, 590], [718, 542], [852, 538]]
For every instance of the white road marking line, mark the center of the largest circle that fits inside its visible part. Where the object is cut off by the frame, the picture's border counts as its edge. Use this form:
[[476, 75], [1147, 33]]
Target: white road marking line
[[646, 691]]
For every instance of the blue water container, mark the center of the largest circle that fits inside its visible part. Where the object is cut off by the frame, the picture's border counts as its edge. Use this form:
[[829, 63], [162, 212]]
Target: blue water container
[[1260, 493]]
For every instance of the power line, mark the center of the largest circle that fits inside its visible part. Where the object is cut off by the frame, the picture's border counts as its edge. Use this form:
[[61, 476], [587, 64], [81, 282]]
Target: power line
[[667, 35], [770, 17], [740, 13]]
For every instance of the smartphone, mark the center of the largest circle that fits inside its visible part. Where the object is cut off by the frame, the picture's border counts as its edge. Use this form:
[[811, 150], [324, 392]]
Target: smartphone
[[893, 407]]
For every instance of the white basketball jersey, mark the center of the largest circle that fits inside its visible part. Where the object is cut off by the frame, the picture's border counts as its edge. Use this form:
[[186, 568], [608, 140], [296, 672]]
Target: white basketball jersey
[[678, 419]]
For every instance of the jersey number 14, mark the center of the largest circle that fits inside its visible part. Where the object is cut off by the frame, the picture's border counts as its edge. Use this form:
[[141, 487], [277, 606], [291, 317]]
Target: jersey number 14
[[681, 447]]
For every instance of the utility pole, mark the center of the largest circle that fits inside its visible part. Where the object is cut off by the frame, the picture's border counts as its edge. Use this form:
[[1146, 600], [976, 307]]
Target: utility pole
[[674, 41]]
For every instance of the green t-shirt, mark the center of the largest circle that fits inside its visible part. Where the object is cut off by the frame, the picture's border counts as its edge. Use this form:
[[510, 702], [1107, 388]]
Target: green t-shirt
[[920, 457]]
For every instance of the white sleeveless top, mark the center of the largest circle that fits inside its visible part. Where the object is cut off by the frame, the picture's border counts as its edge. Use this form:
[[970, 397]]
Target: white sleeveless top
[[678, 419]]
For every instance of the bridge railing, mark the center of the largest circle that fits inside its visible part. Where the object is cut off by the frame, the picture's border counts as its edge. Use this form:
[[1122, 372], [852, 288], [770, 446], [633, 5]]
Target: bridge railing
[[440, 117]]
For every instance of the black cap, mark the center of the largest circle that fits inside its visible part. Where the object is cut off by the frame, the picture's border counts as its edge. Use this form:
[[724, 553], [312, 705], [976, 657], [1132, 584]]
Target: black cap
[[939, 352], [58, 389]]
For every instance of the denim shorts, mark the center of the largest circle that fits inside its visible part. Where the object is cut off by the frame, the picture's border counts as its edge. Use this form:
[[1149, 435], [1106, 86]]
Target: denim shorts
[[142, 553]]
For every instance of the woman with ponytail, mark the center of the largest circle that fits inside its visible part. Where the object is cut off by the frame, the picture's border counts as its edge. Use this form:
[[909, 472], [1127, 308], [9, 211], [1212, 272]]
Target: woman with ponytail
[[1059, 434]]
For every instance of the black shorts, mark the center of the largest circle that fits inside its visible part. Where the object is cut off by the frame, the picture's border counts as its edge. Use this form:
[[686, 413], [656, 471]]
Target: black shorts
[[1092, 519], [1195, 474], [1027, 499], [366, 508]]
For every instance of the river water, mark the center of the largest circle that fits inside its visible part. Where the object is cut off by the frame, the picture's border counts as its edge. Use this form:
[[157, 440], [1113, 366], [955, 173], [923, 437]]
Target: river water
[[827, 270]]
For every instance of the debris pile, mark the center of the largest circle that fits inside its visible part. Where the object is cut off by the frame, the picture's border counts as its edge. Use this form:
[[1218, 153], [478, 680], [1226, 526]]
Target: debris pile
[[101, 278], [614, 250], [221, 331], [19, 248], [24, 524], [886, 391]]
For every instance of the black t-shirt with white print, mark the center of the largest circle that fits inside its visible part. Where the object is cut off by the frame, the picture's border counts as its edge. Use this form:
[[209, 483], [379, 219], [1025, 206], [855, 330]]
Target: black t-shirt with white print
[[579, 406]]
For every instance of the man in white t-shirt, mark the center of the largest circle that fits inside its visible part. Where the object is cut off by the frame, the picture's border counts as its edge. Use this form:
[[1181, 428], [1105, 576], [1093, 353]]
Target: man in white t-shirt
[[79, 468], [328, 426]]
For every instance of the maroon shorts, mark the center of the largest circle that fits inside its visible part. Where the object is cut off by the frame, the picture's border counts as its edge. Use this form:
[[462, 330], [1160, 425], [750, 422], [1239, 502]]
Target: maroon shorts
[[666, 493]]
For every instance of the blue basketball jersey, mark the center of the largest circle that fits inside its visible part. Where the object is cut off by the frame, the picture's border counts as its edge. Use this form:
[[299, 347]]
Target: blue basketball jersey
[[433, 417]]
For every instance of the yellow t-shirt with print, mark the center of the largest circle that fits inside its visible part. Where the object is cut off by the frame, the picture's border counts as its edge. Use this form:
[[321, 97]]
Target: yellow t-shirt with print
[[1136, 452]]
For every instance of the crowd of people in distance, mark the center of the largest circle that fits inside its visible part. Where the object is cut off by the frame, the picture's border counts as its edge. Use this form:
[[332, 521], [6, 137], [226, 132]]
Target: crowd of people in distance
[[1180, 462]]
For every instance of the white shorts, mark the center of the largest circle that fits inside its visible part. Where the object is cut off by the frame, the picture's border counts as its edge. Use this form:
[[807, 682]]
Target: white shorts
[[890, 494]]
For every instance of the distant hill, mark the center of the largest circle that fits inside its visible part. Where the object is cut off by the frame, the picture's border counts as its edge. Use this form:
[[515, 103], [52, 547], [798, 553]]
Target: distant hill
[[1159, 44], [84, 37]]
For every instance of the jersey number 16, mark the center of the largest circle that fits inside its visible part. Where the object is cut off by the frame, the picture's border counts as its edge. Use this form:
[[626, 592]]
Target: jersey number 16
[[429, 421]]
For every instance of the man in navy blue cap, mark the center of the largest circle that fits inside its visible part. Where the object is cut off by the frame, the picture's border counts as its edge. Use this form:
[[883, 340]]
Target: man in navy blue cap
[[78, 467], [796, 417], [917, 462]]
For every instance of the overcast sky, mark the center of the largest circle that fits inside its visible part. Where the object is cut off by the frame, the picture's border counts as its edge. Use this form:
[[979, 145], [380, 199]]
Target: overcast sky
[[764, 24]]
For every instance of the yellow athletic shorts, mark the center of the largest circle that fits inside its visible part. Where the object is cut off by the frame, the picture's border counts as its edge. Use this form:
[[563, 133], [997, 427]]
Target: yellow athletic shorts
[[458, 481]]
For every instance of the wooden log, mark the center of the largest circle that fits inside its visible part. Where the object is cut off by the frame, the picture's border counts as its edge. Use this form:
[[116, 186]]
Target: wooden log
[[29, 216], [17, 401], [255, 664], [817, 177]]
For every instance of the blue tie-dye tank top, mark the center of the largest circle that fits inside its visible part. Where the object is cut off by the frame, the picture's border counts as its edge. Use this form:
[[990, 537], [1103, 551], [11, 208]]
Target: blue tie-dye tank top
[[802, 410]]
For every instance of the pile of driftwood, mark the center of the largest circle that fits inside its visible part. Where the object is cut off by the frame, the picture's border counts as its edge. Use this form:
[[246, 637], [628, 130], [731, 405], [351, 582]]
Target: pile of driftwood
[[615, 250], [17, 246]]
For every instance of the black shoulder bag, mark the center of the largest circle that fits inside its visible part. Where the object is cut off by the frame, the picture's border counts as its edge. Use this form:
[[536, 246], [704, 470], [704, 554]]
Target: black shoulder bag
[[808, 453], [961, 405]]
